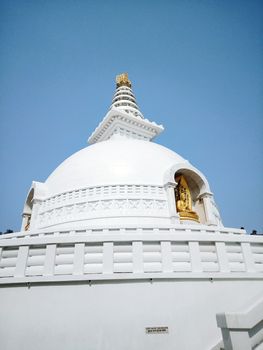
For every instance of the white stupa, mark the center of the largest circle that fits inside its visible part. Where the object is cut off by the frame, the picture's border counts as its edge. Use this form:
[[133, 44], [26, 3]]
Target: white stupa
[[123, 247]]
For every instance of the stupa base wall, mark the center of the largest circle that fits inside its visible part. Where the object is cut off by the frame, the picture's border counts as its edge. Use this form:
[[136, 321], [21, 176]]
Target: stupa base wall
[[115, 314]]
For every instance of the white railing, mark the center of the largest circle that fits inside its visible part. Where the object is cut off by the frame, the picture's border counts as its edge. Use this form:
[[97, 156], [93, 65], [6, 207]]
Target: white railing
[[100, 201], [243, 330], [114, 253], [98, 192], [173, 229]]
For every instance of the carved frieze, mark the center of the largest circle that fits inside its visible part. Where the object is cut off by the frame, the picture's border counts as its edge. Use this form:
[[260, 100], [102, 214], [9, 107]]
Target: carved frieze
[[90, 208]]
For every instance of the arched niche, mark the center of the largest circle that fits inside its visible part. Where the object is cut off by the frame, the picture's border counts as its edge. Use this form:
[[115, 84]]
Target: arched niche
[[198, 187], [196, 184], [37, 192]]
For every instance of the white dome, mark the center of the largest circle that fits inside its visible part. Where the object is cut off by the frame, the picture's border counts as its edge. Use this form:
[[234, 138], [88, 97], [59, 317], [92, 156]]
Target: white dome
[[125, 161], [121, 179]]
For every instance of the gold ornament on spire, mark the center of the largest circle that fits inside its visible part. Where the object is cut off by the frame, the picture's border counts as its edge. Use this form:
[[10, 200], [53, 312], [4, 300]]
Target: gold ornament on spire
[[123, 80], [184, 200]]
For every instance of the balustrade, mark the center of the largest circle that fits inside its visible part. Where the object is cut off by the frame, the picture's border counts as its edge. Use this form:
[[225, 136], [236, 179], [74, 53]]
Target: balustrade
[[129, 254]]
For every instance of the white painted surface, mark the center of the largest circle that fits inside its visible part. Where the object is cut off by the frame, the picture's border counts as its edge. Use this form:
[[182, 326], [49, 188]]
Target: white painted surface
[[117, 182], [119, 124], [114, 315], [124, 119], [100, 288], [128, 253], [122, 178], [106, 255], [243, 329], [113, 162]]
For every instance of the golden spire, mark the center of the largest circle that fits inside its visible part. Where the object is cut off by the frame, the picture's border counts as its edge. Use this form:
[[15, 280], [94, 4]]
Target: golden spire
[[123, 80]]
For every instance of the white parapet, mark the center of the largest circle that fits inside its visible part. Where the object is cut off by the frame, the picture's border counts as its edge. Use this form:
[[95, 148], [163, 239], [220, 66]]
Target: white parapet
[[114, 253]]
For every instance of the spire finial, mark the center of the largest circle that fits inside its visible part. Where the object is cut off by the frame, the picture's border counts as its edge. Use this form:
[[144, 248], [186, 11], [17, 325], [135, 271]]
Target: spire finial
[[123, 80], [124, 98]]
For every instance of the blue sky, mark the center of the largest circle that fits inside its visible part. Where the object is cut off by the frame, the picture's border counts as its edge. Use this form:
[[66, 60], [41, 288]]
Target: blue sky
[[196, 67]]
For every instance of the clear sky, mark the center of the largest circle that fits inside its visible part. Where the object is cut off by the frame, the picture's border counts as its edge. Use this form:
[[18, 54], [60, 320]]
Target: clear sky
[[196, 67]]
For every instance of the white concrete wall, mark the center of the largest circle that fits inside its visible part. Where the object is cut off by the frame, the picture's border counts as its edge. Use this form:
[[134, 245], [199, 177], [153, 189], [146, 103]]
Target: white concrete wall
[[113, 315], [243, 329], [99, 288]]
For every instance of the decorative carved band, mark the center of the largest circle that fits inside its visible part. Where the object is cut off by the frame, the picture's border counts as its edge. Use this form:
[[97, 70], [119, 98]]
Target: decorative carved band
[[76, 210], [102, 192]]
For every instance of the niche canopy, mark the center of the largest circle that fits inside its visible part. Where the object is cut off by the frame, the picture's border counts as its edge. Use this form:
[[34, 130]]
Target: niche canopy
[[124, 117]]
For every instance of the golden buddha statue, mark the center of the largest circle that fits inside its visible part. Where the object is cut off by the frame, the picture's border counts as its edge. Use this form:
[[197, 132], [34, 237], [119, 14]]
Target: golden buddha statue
[[184, 200], [123, 80]]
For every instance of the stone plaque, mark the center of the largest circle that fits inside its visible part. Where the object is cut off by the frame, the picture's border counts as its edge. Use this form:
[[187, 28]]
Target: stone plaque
[[156, 330]]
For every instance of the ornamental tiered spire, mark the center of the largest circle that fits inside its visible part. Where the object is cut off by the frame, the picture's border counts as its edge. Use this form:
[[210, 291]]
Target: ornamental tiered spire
[[124, 98], [124, 118]]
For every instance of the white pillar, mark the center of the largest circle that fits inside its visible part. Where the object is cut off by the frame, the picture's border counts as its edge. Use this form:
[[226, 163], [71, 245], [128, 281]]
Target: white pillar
[[206, 199], [35, 209], [222, 257], [167, 264], [107, 257], [24, 220], [21, 261], [50, 257], [78, 263], [137, 254], [248, 257], [195, 256], [174, 216]]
